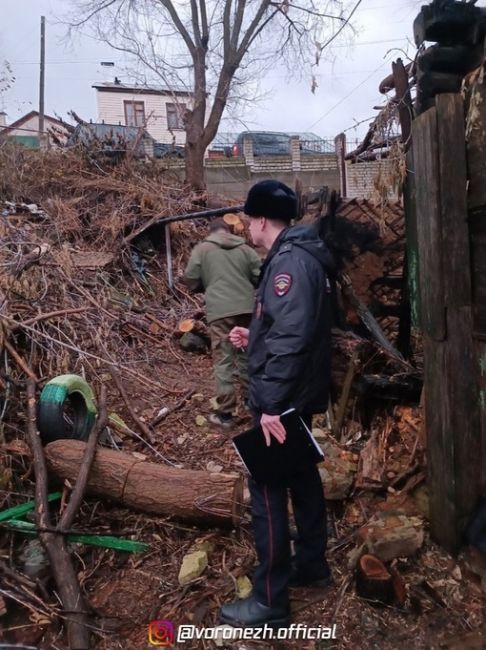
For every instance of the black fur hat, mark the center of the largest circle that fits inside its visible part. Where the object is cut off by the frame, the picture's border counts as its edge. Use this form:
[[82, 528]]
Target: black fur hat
[[273, 200]]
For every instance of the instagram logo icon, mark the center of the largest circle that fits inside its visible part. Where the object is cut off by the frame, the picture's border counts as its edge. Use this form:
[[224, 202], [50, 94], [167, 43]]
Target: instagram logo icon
[[160, 633]]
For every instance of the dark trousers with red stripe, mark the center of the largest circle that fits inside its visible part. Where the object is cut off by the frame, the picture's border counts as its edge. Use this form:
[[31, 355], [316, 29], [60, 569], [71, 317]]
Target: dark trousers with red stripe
[[272, 538]]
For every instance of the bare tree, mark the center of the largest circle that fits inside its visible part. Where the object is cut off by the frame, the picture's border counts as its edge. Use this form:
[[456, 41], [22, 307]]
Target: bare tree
[[212, 47], [6, 76]]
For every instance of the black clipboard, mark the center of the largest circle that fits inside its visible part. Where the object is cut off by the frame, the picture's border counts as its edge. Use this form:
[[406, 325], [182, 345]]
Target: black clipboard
[[277, 463]]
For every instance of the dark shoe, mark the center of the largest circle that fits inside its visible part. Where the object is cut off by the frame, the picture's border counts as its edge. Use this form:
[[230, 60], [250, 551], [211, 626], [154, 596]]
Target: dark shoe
[[250, 613], [299, 579], [224, 420]]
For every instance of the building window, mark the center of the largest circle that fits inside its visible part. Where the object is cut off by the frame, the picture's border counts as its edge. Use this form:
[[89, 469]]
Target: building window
[[175, 114], [134, 113]]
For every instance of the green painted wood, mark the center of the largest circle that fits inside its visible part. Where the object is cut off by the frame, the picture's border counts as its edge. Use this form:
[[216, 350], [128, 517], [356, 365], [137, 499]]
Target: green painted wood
[[409, 201], [105, 541], [19, 511]]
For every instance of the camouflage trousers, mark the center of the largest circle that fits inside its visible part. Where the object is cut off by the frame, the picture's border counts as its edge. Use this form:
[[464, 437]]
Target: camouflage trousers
[[228, 362]]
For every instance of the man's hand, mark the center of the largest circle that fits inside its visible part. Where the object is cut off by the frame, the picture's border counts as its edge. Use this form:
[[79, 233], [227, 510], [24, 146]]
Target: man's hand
[[272, 426], [239, 337]]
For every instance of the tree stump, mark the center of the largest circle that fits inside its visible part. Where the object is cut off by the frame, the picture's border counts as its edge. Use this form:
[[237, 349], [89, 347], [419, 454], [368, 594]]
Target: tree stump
[[373, 580]]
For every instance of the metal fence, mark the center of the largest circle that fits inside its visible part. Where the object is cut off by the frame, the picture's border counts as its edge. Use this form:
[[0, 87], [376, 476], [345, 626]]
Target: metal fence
[[310, 142]]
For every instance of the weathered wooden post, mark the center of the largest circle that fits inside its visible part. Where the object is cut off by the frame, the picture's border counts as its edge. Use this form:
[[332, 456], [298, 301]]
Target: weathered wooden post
[[452, 407], [476, 199]]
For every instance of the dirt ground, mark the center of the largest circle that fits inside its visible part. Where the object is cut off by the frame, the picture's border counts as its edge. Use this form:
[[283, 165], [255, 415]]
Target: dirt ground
[[108, 313], [128, 591]]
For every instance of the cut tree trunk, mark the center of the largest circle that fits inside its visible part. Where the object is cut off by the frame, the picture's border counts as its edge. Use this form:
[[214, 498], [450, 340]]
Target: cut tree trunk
[[198, 496], [373, 580]]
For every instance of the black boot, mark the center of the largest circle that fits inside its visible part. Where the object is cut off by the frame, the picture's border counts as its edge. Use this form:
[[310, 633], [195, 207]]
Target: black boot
[[320, 578], [250, 613]]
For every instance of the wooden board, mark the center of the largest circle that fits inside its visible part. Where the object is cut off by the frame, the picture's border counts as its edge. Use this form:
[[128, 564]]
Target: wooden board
[[440, 451], [453, 200], [429, 236], [477, 223], [409, 201], [480, 353], [476, 145], [454, 443], [460, 413]]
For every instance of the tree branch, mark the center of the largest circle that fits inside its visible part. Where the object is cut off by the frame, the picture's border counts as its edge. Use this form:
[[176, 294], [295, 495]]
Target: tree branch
[[318, 14], [204, 24], [240, 12], [195, 23], [141, 425], [56, 549], [178, 25], [227, 30], [252, 29], [106, 4], [89, 455], [342, 26]]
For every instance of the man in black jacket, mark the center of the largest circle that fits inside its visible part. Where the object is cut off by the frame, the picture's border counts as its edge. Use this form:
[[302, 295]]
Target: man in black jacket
[[289, 349]]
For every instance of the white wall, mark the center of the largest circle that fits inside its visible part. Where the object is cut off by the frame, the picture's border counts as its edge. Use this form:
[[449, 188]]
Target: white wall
[[31, 127], [362, 178], [111, 110]]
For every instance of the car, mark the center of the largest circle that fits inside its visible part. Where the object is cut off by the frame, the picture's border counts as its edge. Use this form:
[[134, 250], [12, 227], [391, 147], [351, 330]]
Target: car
[[265, 143], [164, 150], [273, 143]]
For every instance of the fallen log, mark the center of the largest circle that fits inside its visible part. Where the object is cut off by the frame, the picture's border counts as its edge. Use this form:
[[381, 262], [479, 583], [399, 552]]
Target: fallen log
[[198, 496]]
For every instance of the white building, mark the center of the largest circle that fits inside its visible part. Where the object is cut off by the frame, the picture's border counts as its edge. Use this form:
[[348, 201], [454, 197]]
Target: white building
[[25, 130], [159, 110]]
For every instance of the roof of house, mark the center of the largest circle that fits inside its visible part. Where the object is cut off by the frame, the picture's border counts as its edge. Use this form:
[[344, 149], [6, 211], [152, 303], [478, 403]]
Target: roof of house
[[110, 86], [25, 118]]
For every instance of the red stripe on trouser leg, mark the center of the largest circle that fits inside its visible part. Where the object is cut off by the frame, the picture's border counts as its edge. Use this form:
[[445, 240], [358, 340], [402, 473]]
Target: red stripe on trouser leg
[[270, 543]]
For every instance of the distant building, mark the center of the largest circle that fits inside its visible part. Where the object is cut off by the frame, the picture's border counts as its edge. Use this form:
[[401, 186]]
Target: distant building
[[159, 110], [25, 130]]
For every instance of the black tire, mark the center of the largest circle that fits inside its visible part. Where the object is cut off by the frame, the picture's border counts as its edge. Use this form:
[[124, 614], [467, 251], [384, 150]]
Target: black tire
[[430, 84], [459, 59], [61, 393]]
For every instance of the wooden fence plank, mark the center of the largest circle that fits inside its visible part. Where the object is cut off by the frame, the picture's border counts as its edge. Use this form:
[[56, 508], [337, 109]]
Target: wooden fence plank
[[481, 375], [409, 202], [429, 236], [453, 200], [440, 451]]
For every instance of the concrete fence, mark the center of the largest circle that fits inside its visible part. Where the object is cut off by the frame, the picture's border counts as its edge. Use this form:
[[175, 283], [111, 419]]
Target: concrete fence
[[233, 177]]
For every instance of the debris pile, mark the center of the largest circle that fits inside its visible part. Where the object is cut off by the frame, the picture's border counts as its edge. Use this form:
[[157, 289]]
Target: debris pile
[[80, 293]]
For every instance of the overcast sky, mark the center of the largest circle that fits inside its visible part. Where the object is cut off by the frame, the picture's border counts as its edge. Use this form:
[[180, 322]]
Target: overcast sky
[[346, 94]]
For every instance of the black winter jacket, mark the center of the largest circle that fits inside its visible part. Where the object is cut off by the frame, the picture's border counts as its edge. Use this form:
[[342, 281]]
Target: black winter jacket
[[289, 347]]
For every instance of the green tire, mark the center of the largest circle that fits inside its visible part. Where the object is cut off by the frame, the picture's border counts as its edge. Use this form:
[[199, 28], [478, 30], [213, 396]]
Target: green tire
[[53, 400]]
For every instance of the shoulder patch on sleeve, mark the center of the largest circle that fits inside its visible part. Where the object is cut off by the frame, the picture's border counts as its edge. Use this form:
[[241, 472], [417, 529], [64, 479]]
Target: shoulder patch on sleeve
[[282, 283]]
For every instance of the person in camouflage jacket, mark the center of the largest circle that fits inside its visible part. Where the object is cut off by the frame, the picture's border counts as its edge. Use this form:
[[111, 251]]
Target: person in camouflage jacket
[[227, 270]]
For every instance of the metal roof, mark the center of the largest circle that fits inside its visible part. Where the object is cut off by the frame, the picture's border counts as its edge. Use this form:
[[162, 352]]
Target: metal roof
[[140, 89]]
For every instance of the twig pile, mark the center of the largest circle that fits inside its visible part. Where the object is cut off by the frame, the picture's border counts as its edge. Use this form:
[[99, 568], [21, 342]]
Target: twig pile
[[69, 287]]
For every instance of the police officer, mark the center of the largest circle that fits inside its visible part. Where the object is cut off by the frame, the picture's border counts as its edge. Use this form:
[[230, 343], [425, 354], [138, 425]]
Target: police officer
[[289, 349]]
